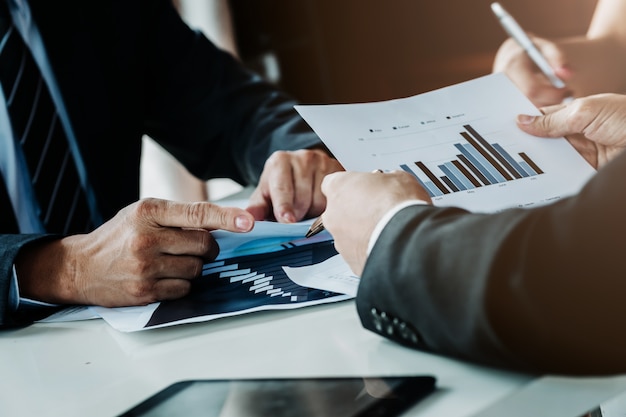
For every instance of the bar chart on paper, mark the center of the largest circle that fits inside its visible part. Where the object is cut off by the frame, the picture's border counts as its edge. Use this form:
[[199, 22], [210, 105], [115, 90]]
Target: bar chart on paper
[[478, 164], [460, 143]]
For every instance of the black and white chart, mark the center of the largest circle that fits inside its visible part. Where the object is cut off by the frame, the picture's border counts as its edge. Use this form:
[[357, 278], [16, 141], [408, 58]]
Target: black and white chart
[[248, 275], [461, 143]]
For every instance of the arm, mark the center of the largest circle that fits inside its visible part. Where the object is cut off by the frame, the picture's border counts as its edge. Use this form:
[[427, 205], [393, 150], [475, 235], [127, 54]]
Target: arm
[[11, 245], [538, 290], [148, 252], [589, 64], [221, 120]]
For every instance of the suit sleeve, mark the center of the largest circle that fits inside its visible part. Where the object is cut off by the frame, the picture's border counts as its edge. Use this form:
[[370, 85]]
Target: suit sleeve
[[11, 245], [210, 112], [538, 290]]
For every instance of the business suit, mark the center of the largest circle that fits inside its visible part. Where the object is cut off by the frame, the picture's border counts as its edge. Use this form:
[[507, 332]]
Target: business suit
[[541, 290], [128, 68]]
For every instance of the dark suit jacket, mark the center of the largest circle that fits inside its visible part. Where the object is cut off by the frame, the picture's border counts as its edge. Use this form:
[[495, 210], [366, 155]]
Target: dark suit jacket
[[127, 68], [540, 290]]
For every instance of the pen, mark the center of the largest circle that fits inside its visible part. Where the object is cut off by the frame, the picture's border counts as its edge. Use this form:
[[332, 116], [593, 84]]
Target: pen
[[315, 228], [318, 225], [519, 35]]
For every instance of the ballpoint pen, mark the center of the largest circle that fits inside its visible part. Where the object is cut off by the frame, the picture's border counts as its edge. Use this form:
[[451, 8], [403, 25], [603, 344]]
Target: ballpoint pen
[[514, 30], [318, 224], [315, 228]]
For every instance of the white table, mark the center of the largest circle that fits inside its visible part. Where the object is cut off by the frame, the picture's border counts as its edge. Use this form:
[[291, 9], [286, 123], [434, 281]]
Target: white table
[[89, 369]]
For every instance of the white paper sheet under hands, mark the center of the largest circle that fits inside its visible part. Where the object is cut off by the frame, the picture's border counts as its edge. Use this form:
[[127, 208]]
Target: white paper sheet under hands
[[460, 142], [247, 276]]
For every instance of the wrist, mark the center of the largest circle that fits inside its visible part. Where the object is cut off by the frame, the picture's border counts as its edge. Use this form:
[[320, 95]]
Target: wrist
[[46, 272]]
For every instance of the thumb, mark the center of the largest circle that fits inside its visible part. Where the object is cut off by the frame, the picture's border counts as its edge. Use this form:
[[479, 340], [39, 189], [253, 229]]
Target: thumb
[[327, 182], [550, 125], [198, 215]]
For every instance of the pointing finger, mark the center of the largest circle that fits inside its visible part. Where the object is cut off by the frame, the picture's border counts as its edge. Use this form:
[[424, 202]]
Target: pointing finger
[[199, 215]]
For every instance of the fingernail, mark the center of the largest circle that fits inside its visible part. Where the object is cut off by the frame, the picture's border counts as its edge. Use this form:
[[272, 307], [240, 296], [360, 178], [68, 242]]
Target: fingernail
[[525, 119], [564, 71], [288, 217], [243, 223]]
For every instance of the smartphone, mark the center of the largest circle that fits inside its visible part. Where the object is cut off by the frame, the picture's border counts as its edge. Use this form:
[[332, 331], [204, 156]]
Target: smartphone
[[289, 397]]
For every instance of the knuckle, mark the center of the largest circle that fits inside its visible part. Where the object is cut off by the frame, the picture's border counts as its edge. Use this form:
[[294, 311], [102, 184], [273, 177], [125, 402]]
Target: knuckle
[[140, 243], [277, 158], [195, 267], [196, 213], [142, 268], [205, 242], [146, 208], [221, 218], [140, 290], [577, 119]]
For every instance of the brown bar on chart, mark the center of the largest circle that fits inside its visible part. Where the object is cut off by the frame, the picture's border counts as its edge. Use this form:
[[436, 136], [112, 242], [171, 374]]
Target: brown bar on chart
[[475, 170], [531, 163], [449, 184], [432, 177], [466, 173], [493, 151], [488, 157]]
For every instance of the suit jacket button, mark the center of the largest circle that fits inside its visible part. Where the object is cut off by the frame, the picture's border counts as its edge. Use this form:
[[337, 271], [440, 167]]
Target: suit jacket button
[[409, 334], [376, 320], [387, 323]]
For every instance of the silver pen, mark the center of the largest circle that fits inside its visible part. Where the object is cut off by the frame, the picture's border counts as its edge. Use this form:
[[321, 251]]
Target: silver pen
[[515, 31]]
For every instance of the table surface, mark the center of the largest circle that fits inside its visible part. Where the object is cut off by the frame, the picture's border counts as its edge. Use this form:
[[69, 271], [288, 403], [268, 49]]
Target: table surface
[[87, 368]]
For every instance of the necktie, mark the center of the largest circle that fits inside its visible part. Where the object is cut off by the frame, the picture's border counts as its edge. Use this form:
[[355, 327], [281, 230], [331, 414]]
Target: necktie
[[36, 126]]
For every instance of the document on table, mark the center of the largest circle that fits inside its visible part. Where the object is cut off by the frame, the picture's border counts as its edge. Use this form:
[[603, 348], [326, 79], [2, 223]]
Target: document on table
[[250, 275], [460, 142]]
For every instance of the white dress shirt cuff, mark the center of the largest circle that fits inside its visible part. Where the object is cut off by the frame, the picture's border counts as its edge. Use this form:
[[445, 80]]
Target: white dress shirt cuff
[[387, 217], [15, 301]]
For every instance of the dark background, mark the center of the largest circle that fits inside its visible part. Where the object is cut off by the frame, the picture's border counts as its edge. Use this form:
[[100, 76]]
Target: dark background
[[334, 51]]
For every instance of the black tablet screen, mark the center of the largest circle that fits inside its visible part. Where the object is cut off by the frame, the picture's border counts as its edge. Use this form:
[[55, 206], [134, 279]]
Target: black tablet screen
[[338, 397]]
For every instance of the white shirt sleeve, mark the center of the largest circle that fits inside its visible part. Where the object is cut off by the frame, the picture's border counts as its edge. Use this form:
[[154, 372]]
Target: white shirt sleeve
[[15, 301], [387, 217]]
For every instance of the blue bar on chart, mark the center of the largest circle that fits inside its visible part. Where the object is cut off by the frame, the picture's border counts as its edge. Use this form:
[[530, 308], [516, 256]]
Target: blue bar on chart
[[466, 174], [492, 175], [474, 169], [493, 152], [432, 177], [428, 186], [531, 163], [510, 160], [454, 176], [487, 156], [479, 164], [527, 168]]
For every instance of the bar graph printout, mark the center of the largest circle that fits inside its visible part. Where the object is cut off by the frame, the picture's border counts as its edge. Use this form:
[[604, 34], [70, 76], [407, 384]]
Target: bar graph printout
[[460, 142], [248, 275]]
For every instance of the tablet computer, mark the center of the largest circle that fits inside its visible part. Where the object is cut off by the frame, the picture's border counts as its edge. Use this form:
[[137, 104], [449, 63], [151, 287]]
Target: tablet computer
[[287, 397]]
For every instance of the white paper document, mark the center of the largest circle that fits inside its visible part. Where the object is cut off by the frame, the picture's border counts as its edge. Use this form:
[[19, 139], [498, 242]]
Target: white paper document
[[460, 142], [331, 275], [247, 276]]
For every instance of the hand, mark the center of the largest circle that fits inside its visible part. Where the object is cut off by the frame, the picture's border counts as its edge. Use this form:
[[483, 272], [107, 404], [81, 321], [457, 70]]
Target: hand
[[594, 125], [515, 63], [356, 203], [148, 252], [289, 188]]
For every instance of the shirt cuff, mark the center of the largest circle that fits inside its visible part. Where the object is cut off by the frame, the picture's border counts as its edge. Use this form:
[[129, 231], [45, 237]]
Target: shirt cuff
[[14, 293], [15, 301], [387, 217]]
